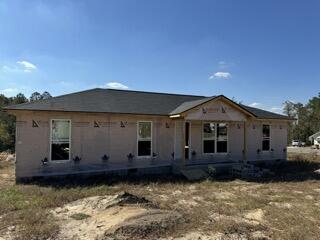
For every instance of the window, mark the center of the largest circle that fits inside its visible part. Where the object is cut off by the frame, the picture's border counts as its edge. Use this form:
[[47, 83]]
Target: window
[[144, 139], [222, 138], [215, 138], [265, 137], [209, 136], [60, 139]]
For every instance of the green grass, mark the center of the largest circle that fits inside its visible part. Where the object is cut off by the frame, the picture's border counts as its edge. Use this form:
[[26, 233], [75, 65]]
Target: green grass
[[80, 216], [28, 207]]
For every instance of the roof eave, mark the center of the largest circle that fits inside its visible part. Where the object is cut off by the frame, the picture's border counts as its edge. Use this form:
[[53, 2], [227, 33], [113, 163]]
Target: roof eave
[[281, 119]]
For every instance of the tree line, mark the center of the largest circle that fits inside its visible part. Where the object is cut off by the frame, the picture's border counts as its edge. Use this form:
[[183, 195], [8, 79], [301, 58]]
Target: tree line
[[307, 118], [7, 122]]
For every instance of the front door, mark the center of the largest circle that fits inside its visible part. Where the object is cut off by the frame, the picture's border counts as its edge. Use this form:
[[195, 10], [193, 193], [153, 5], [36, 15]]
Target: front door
[[187, 141]]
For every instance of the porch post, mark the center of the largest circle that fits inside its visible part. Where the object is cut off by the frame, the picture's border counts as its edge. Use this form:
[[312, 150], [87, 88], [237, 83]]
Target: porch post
[[244, 142], [179, 142]]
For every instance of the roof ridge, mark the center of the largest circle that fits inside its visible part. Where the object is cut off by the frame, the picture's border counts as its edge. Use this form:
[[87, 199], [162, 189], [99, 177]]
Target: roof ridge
[[104, 89], [160, 93]]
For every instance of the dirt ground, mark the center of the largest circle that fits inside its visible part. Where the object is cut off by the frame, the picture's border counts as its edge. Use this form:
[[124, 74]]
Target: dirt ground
[[301, 150], [283, 206]]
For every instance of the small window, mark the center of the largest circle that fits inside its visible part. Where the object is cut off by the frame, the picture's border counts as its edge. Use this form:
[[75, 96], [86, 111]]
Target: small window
[[144, 139], [60, 139], [265, 137], [209, 136], [222, 138]]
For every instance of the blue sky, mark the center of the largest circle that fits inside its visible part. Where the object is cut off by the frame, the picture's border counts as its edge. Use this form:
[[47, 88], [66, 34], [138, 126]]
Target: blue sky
[[259, 52]]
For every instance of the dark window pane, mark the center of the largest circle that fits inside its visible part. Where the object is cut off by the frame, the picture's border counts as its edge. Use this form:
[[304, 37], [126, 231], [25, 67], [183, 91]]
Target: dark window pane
[[222, 147], [265, 145], [208, 146], [222, 129], [208, 130], [144, 130], [266, 130], [60, 130], [60, 151], [222, 132], [144, 148]]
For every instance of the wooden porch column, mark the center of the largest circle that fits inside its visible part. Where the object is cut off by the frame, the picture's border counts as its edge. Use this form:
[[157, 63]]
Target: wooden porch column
[[179, 143], [244, 142]]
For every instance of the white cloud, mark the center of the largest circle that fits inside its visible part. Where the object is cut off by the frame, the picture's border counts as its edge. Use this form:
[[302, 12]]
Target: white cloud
[[255, 104], [276, 109], [64, 83], [8, 69], [115, 85], [9, 91], [28, 66], [221, 75], [222, 64]]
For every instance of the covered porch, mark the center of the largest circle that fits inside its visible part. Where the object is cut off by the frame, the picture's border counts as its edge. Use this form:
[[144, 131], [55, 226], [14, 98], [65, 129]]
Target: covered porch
[[209, 142], [212, 132]]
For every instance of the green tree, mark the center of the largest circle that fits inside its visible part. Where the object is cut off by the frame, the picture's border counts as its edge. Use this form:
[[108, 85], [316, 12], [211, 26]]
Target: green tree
[[307, 118], [7, 122], [35, 97], [45, 95]]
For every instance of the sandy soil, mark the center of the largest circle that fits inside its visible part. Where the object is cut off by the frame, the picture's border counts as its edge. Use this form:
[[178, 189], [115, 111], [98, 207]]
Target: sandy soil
[[119, 216]]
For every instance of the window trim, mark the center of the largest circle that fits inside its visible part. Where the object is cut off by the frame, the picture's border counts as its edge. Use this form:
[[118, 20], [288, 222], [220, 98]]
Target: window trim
[[50, 140], [266, 138], [215, 139], [138, 139]]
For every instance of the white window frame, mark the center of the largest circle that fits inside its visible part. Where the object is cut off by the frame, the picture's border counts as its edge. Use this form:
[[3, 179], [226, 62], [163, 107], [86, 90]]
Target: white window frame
[[211, 138], [266, 138], [50, 140], [215, 138], [144, 139]]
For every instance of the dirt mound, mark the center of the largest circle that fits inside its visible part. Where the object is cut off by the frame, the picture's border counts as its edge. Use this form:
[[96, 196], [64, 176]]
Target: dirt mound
[[152, 223], [119, 216]]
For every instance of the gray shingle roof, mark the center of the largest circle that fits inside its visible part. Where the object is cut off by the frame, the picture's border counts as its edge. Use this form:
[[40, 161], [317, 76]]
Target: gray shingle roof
[[110, 101], [190, 104], [259, 113], [129, 102]]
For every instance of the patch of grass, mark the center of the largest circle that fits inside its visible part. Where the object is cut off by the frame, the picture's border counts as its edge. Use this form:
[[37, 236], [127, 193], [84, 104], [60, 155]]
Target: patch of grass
[[241, 228], [80, 216], [34, 223], [11, 199], [292, 223]]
